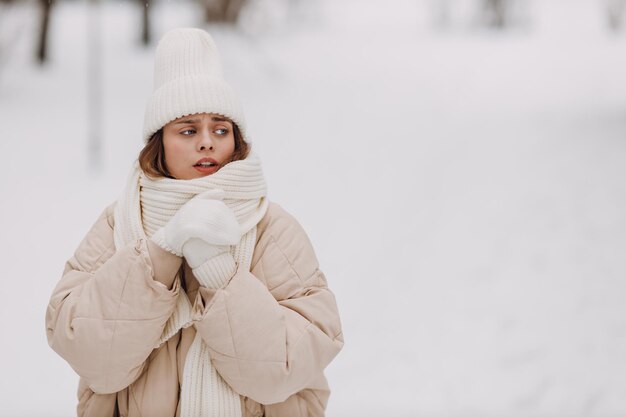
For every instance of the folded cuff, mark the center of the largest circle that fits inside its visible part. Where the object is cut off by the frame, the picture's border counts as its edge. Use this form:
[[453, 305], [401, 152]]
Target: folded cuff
[[216, 272]]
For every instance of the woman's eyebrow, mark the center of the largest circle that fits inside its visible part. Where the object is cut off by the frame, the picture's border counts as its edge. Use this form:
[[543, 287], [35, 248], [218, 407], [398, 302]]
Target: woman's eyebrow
[[182, 122], [214, 118]]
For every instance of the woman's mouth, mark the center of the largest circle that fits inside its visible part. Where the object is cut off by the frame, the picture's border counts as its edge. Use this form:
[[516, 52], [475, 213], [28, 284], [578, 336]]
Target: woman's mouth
[[206, 165]]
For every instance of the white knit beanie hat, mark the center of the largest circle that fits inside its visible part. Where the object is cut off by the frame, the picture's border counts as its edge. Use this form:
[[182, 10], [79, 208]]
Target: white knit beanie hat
[[188, 80]]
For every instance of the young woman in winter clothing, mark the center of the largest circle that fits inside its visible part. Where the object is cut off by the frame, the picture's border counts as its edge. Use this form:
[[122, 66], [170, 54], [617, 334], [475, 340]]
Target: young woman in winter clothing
[[192, 294]]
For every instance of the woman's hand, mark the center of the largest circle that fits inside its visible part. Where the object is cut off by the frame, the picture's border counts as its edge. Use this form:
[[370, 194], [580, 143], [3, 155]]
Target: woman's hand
[[203, 218]]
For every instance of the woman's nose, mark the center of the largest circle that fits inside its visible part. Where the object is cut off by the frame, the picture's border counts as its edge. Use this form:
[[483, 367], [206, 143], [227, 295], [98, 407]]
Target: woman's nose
[[205, 142]]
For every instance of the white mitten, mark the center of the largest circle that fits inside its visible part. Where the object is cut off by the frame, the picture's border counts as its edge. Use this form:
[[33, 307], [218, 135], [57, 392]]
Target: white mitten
[[197, 251], [212, 265], [203, 217]]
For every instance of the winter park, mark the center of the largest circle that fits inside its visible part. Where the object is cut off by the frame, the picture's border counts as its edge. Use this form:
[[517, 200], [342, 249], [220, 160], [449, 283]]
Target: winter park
[[457, 165]]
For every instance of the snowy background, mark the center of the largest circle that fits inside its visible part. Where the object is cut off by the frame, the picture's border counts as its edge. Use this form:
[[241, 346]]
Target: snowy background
[[463, 187]]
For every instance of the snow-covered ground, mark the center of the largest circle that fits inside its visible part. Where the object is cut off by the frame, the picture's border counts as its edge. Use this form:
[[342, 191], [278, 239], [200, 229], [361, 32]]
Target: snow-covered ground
[[464, 190]]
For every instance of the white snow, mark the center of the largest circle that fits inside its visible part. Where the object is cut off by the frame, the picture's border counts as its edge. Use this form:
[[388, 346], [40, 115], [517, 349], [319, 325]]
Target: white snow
[[464, 190]]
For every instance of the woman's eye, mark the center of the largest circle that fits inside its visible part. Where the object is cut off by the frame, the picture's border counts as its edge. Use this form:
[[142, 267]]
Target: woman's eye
[[188, 132], [221, 131]]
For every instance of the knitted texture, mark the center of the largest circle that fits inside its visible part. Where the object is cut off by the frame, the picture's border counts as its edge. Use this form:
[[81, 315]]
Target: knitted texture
[[145, 207], [159, 238], [199, 376], [188, 80], [216, 272]]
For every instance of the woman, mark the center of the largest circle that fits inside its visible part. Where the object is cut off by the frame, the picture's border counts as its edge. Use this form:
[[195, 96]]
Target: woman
[[192, 294]]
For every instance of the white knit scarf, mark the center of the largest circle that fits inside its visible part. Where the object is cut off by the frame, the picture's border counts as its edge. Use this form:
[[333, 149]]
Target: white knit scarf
[[147, 205]]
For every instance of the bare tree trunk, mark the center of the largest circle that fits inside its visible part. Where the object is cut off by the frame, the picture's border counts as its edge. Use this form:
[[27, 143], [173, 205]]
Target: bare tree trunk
[[214, 10], [441, 13], [615, 13], [233, 10], [496, 13], [94, 87], [7, 38], [145, 32], [42, 48], [223, 11]]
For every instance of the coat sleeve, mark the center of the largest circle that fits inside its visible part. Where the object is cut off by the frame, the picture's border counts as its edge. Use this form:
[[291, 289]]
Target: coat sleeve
[[107, 312], [271, 332]]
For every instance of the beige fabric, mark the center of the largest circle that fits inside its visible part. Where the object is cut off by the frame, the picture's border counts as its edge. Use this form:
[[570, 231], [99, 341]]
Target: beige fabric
[[270, 331]]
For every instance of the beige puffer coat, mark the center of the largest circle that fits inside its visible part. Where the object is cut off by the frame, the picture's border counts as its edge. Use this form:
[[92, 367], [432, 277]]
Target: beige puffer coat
[[270, 332]]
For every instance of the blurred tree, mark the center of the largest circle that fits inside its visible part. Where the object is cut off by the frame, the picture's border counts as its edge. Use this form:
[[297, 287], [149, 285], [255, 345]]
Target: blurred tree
[[504, 13], [145, 21], [223, 11], [95, 102], [495, 12], [615, 13], [44, 23], [498, 14], [42, 47], [9, 29], [441, 12]]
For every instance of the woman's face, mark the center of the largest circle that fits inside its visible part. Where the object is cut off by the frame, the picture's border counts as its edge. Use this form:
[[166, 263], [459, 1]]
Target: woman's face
[[197, 145]]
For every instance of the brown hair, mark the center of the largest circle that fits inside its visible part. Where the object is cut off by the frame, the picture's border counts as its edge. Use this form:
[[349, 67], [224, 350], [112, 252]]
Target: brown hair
[[152, 156]]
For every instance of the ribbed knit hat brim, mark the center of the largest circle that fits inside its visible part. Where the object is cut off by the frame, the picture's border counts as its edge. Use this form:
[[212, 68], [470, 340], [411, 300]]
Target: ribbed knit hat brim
[[191, 95]]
